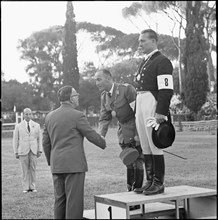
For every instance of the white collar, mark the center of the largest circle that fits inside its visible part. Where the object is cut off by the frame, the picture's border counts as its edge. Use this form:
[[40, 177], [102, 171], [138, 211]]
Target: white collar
[[30, 122], [148, 56], [112, 88]]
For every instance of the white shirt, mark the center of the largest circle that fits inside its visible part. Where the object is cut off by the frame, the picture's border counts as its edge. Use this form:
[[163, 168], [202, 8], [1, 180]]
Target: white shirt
[[111, 91], [148, 56], [28, 122]]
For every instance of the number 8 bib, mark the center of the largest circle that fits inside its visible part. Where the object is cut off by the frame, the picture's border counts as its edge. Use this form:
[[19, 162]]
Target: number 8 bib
[[165, 81]]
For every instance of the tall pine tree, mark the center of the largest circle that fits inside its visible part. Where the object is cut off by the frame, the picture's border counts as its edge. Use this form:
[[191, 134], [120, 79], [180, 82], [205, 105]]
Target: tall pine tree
[[70, 64], [195, 59]]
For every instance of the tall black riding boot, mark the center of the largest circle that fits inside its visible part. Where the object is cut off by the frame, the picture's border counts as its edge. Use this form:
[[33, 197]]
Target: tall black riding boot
[[138, 175], [149, 169], [159, 172], [130, 177], [138, 178]]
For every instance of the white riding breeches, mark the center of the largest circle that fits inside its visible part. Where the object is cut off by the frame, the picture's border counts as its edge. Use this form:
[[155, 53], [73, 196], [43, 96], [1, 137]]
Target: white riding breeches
[[145, 108]]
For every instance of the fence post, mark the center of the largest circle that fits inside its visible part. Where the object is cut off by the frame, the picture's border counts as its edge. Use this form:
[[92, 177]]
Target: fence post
[[180, 124], [19, 118]]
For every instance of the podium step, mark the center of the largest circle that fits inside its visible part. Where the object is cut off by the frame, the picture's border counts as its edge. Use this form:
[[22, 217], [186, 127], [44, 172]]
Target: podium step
[[89, 214], [152, 210], [196, 202]]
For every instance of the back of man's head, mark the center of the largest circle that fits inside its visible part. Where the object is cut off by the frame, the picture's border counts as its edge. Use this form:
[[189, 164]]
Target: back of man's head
[[64, 93]]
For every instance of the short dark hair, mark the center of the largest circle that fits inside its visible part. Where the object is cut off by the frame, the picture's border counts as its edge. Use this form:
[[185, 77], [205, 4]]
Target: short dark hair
[[152, 34], [64, 93]]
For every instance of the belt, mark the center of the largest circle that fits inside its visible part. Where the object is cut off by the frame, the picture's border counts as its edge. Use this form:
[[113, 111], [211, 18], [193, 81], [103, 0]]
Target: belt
[[141, 92], [127, 119]]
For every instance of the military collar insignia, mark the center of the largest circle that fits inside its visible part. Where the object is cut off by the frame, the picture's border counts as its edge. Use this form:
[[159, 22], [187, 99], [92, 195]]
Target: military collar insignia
[[114, 96]]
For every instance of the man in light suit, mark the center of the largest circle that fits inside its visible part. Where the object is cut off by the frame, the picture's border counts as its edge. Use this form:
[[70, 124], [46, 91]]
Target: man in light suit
[[63, 136], [27, 145]]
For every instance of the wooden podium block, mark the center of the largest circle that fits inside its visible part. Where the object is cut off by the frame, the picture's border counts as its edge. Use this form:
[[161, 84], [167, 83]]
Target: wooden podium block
[[116, 205], [203, 207], [151, 210]]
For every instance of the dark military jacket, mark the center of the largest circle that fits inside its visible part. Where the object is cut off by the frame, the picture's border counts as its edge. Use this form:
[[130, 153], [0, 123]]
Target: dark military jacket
[[155, 75], [118, 105]]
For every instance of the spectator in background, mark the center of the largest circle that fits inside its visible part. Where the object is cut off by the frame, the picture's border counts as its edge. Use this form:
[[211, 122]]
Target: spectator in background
[[27, 145], [63, 136]]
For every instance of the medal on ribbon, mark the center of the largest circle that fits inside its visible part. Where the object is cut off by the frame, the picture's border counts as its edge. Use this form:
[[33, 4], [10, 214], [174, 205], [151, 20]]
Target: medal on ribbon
[[113, 113]]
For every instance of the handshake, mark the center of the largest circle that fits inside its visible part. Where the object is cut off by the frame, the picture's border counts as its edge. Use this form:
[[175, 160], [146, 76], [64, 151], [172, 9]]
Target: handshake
[[104, 141]]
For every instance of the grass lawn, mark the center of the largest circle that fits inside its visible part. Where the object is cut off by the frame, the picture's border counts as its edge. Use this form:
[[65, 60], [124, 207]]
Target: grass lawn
[[106, 173]]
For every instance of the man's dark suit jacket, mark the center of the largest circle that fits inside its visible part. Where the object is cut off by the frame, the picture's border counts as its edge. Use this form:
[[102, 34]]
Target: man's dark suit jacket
[[63, 136]]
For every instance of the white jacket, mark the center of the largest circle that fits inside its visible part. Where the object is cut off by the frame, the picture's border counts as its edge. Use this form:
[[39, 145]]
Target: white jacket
[[23, 141]]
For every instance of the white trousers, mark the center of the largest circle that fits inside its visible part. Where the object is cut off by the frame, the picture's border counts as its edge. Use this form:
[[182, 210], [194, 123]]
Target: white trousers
[[145, 107], [28, 165]]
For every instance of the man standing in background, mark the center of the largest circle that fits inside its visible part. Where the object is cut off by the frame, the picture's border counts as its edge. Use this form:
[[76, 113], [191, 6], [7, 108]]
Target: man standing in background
[[27, 145]]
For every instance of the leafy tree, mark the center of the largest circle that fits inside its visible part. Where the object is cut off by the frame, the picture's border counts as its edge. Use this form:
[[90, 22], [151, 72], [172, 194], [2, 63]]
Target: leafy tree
[[195, 59], [70, 65], [16, 94], [43, 49], [89, 70], [116, 45], [123, 72], [89, 95], [103, 36], [209, 14], [22, 95]]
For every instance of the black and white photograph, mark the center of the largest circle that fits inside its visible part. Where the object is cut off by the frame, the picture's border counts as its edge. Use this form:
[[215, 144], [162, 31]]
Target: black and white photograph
[[109, 109]]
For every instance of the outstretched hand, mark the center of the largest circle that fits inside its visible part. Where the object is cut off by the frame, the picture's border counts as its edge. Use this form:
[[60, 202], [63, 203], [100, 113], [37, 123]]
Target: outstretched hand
[[104, 140]]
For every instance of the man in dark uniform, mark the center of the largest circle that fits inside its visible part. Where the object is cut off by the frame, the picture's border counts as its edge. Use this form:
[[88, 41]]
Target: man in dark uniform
[[118, 100], [155, 89]]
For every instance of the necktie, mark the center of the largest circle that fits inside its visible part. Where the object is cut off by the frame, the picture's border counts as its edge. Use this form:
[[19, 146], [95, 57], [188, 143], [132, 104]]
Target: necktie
[[28, 126]]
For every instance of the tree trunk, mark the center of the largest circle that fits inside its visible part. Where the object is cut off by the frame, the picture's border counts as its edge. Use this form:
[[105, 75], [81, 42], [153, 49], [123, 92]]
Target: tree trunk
[[195, 116], [210, 70], [180, 59]]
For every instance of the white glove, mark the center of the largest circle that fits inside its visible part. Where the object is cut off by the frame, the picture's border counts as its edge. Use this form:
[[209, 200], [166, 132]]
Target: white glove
[[132, 105], [151, 122]]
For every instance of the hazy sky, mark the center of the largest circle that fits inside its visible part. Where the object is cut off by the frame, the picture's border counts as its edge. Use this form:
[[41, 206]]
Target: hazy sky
[[20, 19]]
